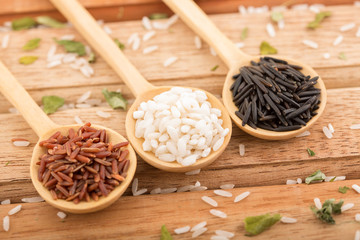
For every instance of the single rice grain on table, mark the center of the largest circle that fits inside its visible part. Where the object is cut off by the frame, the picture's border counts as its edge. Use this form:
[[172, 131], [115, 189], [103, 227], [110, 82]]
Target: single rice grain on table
[[224, 233], [209, 201], [241, 196], [198, 232], [223, 193], [218, 213], [198, 226]]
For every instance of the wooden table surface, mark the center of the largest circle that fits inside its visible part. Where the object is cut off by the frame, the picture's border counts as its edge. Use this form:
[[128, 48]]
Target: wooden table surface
[[263, 170]]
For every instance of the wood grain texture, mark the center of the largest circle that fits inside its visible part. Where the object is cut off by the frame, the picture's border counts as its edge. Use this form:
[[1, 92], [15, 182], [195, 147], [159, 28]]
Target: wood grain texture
[[141, 217]]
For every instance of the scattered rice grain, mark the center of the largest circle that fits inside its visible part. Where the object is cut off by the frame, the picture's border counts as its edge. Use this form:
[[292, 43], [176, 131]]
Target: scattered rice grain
[[198, 232], [347, 207], [107, 29], [200, 188], [327, 132], [182, 230], [239, 44], [140, 192], [304, 134], [6, 223], [288, 220], [15, 210], [242, 149], [310, 43], [200, 225], [347, 27], [53, 64], [84, 97], [356, 188], [224, 233], [326, 55], [21, 143], [197, 41], [357, 233], [331, 128], [193, 172], [168, 190], [355, 126], [218, 213], [357, 217], [209, 201], [5, 41], [103, 114], [13, 110], [338, 40], [241, 196], [156, 191], [5, 202], [146, 23], [290, 182], [78, 120], [148, 35], [212, 51], [299, 181], [170, 61], [32, 200], [223, 193], [134, 185], [132, 38], [150, 49], [215, 237], [227, 186], [358, 32], [317, 203], [185, 188], [270, 30], [61, 215]]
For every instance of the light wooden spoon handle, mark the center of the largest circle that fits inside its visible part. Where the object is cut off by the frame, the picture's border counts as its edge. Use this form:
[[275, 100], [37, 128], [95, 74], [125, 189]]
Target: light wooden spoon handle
[[103, 44], [22, 101], [199, 22]]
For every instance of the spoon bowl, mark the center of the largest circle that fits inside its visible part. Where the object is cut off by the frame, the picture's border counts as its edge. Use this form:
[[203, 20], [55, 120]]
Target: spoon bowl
[[234, 58], [150, 157], [44, 127], [139, 86]]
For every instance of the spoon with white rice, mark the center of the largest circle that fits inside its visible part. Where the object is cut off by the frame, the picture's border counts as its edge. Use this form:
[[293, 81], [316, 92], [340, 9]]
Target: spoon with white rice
[[175, 129]]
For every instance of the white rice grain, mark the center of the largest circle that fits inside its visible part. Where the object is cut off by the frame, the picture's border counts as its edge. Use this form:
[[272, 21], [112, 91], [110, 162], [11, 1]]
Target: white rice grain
[[5, 202], [331, 128], [61, 215], [170, 61], [78, 120], [140, 192], [172, 20], [146, 23], [218, 144], [299, 181], [156, 191], [198, 232], [223, 193], [224, 233], [338, 40], [356, 188], [199, 226], [103, 114], [347, 27], [68, 37], [270, 30], [13, 110], [281, 24], [51, 51], [198, 43], [355, 126], [288, 220], [15, 210], [300, 7], [107, 29], [84, 97], [150, 49], [209, 201], [241, 196], [358, 32], [326, 55], [53, 64], [212, 51], [239, 45], [168, 190], [218, 213], [132, 38], [327, 132], [310, 43], [338, 178], [193, 172], [182, 230], [21, 143], [5, 41], [85, 71], [201, 188], [227, 186], [357, 217], [242, 149], [134, 185], [69, 58], [215, 237], [304, 134], [185, 188], [317, 203], [148, 35], [6, 223], [32, 200], [242, 10], [357, 233], [347, 207], [290, 182]]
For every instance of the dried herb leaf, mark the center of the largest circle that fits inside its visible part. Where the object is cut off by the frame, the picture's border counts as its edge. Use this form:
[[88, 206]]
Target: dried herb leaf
[[244, 33], [23, 23], [92, 58], [155, 16], [72, 46], [50, 22], [277, 16], [7, 163], [31, 44], [343, 189], [311, 152], [329, 207], [165, 235], [316, 176], [318, 19], [120, 44], [257, 224], [52, 103], [115, 99], [333, 179], [342, 56], [266, 48], [214, 68], [26, 60]]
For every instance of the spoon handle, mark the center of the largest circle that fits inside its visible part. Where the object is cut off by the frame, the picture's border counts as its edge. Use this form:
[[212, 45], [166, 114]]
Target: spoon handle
[[198, 21], [103, 44], [18, 97]]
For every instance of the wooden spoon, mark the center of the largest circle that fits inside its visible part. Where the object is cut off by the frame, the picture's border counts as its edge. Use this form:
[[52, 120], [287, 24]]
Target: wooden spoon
[[44, 127], [138, 85], [197, 20]]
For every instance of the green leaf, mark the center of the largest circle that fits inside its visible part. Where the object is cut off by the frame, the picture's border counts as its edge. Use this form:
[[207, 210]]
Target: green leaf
[[52, 103], [214, 68], [31, 44], [329, 207], [318, 19], [311, 152], [50, 22], [165, 235], [333, 179], [316, 176], [266, 48], [92, 58], [72, 46], [343, 189], [120, 44], [26, 60], [277, 16], [115, 99], [244, 33], [342, 56], [23, 23], [257, 224], [155, 16], [7, 163]]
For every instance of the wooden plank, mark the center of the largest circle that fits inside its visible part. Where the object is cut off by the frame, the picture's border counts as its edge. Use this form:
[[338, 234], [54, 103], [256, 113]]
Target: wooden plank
[[201, 61], [113, 10], [338, 156], [141, 217]]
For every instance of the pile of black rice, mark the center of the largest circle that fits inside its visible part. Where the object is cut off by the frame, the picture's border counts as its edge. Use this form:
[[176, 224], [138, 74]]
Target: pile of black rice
[[274, 95]]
